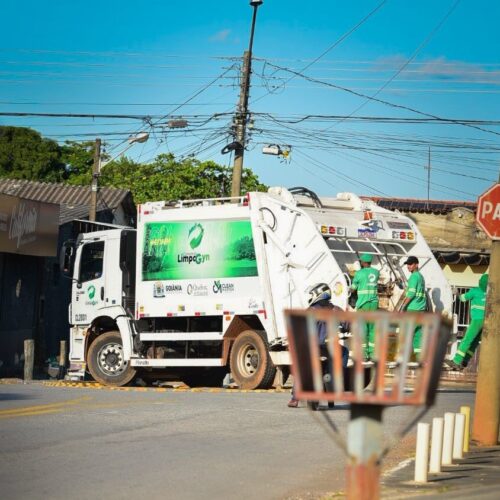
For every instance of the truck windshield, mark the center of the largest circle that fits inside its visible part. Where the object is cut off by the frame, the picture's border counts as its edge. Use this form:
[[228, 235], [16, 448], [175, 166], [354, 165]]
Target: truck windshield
[[91, 261]]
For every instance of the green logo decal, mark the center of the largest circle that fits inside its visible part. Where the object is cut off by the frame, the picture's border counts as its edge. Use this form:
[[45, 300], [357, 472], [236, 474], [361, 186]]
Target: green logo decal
[[195, 235], [217, 249], [91, 291]]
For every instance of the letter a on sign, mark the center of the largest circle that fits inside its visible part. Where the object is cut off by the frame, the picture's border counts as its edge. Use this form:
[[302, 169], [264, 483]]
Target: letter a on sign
[[488, 212]]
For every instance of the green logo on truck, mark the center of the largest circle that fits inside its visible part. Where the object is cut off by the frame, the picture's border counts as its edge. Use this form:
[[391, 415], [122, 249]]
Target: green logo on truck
[[91, 291], [195, 235]]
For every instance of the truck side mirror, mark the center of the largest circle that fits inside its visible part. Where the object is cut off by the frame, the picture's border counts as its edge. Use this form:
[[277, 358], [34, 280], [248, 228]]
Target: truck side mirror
[[67, 258]]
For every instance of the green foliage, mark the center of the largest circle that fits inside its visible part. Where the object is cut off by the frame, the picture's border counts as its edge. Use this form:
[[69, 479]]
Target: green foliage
[[168, 179], [243, 249], [24, 154], [78, 158]]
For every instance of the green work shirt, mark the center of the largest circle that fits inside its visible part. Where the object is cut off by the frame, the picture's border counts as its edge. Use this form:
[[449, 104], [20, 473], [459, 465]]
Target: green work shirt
[[365, 282], [477, 299], [416, 292]]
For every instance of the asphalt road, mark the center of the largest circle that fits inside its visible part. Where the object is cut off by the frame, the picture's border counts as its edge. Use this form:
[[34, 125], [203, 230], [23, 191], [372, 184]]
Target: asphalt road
[[81, 443]]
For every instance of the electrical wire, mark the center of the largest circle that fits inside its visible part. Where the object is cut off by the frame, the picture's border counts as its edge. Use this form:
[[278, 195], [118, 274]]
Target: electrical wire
[[409, 60], [387, 103]]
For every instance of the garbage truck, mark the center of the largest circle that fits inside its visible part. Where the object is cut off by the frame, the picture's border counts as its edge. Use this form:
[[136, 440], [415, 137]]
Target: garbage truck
[[199, 288]]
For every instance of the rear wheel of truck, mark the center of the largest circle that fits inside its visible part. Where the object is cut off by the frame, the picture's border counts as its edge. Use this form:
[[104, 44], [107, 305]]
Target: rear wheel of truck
[[251, 365], [106, 361]]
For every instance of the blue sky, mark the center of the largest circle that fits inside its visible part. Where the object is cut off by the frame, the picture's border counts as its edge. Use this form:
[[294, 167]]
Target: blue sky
[[440, 58]]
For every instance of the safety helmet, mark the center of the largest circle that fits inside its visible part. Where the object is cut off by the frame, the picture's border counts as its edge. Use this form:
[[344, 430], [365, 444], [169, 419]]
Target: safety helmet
[[320, 291]]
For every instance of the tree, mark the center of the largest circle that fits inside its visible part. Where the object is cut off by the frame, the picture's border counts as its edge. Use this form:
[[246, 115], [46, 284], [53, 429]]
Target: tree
[[78, 158], [24, 154], [168, 179]]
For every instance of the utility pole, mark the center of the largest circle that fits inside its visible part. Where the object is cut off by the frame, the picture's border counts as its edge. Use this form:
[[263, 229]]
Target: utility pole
[[95, 180], [485, 430], [487, 405], [241, 117]]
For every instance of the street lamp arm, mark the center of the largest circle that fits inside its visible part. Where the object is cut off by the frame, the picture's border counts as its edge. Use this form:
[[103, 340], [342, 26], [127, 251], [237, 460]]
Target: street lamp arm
[[139, 138]]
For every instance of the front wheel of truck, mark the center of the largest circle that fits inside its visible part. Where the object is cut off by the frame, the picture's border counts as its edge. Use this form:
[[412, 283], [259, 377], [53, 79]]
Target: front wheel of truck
[[251, 365], [106, 362]]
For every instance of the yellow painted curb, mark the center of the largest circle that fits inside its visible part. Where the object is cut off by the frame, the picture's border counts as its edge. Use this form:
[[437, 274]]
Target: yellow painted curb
[[96, 385]]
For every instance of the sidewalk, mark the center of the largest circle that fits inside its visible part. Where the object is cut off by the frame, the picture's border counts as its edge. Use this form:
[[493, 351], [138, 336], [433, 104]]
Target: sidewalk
[[476, 476]]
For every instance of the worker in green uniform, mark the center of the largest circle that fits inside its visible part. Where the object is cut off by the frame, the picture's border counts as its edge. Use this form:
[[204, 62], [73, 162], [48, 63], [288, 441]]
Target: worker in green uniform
[[415, 298], [365, 282], [469, 343]]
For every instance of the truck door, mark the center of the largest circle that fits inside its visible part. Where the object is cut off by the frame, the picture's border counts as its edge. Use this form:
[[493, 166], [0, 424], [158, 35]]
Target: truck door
[[88, 289]]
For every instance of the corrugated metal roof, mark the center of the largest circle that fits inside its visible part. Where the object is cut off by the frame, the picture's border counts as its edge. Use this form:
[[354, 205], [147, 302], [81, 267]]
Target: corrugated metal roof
[[74, 200], [422, 206]]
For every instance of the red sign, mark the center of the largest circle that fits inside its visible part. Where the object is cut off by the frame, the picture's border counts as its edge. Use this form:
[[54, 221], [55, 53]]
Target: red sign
[[488, 212]]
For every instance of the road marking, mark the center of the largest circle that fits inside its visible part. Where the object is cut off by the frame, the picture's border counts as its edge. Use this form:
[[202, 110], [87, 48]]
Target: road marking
[[399, 466], [25, 411]]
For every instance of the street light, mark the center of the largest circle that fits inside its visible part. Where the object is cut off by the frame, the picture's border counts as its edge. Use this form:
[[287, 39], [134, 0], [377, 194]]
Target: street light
[[138, 138], [241, 114]]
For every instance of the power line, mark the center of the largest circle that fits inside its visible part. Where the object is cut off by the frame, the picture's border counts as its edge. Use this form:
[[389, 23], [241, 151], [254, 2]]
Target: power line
[[387, 103], [337, 42], [409, 60], [47, 103]]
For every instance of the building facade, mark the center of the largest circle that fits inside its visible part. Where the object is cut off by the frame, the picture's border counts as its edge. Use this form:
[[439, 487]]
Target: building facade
[[35, 219]]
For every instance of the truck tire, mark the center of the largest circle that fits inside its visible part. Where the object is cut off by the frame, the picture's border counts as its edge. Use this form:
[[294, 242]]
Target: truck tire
[[105, 361], [251, 365]]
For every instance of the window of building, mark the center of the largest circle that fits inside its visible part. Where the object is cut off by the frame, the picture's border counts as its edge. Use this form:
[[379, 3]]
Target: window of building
[[461, 309]]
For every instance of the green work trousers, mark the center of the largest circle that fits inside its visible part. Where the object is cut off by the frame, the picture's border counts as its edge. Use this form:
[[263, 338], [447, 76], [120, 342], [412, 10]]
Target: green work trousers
[[417, 340], [470, 342], [369, 334]]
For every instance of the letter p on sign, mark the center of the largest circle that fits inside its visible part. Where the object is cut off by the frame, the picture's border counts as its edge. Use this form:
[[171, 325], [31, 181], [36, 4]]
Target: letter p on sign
[[488, 212]]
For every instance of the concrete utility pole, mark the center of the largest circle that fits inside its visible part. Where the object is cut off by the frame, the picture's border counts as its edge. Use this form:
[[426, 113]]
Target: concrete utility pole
[[240, 119], [487, 406], [95, 180]]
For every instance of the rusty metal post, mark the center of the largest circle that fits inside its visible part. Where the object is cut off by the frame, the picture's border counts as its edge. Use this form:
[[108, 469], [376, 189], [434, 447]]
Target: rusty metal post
[[487, 406], [364, 447]]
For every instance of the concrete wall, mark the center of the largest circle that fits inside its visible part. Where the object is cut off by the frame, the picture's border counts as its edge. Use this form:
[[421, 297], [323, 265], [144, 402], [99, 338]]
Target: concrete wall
[[462, 275], [455, 230]]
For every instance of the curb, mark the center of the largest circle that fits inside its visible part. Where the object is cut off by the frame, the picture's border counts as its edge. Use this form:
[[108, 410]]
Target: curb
[[182, 388]]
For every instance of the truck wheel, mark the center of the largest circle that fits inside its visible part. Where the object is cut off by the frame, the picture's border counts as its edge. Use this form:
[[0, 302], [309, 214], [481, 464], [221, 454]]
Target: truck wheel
[[250, 363], [106, 362]]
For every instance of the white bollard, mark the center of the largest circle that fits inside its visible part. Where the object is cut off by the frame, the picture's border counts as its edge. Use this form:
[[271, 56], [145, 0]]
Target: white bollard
[[466, 411], [449, 426], [422, 453], [458, 438], [436, 445]]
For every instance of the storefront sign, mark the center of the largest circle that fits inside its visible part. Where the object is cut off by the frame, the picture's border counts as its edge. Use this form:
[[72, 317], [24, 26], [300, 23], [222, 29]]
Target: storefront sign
[[28, 227]]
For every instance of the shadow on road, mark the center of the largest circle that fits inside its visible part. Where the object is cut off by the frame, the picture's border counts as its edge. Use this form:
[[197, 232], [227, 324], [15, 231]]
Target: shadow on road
[[14, 397]]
